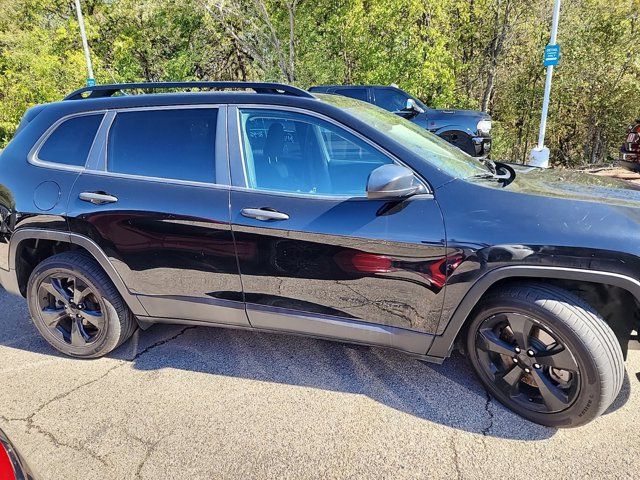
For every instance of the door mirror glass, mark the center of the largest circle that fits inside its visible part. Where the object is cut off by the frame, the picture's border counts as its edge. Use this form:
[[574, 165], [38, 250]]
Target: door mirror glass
[[393, 182]]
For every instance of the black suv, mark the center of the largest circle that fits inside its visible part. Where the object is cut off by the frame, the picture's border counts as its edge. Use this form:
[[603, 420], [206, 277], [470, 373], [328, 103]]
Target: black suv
[[469, 130], [282, 211]]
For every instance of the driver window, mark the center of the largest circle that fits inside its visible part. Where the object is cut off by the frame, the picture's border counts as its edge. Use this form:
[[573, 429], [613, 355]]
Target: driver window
[[390, 99], [298, 153]]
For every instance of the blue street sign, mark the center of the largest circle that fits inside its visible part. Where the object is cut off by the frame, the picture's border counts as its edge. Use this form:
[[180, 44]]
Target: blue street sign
[[91, 82], [551, 55]]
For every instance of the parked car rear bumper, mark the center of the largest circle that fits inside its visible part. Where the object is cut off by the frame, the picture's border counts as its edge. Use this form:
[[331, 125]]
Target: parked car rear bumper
[[629, 160], [21, 470]]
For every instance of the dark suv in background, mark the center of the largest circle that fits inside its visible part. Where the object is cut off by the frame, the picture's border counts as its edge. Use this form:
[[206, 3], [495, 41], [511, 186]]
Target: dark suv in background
[[468, 130], [629, 156], [279, 210]]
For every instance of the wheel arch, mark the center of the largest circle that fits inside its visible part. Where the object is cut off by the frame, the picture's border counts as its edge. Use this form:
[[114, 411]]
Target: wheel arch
[[79, 242], [453, 128], [443, 344]]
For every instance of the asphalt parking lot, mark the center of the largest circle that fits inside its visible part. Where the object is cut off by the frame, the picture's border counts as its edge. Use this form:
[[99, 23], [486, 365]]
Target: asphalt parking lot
[[198, 403]]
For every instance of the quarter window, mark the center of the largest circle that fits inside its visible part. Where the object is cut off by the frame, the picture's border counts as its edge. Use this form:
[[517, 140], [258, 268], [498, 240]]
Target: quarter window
[[171, 143], [293, 152], [70, 143]]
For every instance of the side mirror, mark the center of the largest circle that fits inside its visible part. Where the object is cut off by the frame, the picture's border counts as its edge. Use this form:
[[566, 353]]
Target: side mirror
[[413, 106], [410, 110], [393, 182]]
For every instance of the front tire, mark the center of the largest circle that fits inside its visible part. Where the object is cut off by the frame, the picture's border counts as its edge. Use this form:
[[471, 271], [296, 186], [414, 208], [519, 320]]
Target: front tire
[[545, 354], [76, 308]]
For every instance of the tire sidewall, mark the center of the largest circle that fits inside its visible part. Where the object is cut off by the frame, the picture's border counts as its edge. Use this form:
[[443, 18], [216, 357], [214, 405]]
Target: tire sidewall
[[586, 407], [108, 338]]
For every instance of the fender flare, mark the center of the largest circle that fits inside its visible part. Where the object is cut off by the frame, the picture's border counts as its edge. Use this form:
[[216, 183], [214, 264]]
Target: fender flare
[[453, 128], [443, 344], [87, 244]]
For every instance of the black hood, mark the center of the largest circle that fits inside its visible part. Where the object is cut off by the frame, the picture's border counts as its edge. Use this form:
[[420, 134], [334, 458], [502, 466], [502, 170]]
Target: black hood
[[464, 120], [571, 185]]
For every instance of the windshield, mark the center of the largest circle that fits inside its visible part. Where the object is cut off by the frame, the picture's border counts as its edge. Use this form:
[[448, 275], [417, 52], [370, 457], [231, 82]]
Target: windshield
[[431, 148]]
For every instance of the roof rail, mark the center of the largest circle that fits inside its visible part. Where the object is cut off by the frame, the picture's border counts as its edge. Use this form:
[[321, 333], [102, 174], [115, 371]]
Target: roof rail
[[100, 91]]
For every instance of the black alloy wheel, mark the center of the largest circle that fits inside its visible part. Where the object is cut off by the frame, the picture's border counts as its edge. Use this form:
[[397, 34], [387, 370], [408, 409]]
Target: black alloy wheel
[[76, 307], [527, 362], [71, 309], [545, 354]]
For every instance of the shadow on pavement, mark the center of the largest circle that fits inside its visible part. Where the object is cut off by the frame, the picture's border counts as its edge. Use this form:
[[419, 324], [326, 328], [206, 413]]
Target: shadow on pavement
[[447, 394]]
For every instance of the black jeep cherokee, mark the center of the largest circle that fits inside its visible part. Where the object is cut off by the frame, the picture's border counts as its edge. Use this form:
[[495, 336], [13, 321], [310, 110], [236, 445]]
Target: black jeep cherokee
[[283, 211]]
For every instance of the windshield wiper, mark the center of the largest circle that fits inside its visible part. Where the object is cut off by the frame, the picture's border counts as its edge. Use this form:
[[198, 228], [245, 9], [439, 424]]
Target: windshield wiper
[[490, 164], [497, 171]]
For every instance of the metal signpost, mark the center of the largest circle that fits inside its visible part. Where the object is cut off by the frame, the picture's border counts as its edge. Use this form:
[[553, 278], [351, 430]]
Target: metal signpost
[[91, 81], [539, 156]]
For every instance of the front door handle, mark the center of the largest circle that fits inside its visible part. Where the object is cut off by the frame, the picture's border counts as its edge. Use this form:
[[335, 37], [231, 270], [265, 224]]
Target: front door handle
[[97, 198], [264, 214]]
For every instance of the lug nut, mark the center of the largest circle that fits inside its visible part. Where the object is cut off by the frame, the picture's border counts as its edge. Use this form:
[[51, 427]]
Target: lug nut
[[527, 370], [536, 365], [515, 359], [81, 306], [517, 350], [531, 353]]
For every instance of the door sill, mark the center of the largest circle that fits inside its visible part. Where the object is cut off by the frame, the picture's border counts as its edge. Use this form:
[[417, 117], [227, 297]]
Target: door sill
[[337, 328]]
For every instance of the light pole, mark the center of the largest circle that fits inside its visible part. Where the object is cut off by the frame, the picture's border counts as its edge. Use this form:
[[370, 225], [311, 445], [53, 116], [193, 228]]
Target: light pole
[[85, 45], [540, 155]]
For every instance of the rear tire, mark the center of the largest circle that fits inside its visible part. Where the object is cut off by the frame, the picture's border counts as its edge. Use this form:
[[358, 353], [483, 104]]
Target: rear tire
[[76, 308], [521, 336]]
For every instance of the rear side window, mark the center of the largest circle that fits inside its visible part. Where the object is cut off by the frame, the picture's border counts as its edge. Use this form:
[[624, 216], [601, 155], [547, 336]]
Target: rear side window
[[173, 144], [69, 144]]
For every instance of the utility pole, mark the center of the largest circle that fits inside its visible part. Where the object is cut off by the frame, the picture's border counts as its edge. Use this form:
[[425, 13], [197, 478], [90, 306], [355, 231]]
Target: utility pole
[[91, 81], [539, 156]]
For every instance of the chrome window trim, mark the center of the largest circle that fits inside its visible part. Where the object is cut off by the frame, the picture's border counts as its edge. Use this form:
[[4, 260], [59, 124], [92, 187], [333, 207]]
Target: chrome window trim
[[34, 159], [316, 196], [321, 116], [101, 167], [173, 181]]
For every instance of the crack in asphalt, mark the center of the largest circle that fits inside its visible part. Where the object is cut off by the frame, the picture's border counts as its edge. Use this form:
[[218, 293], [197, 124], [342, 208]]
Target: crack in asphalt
[[157, 344], [150, 448], [487, 429], [32, 425]]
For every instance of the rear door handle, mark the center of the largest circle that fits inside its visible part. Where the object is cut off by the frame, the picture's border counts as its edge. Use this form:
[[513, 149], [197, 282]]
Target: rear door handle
[[264, 214], [97, 198]]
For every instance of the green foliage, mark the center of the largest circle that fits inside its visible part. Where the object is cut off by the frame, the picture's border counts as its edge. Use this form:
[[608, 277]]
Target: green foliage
[[451, 53]]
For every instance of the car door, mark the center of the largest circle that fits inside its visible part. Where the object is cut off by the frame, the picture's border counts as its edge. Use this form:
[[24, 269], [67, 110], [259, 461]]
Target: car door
[[156, 201], [324, 259]]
